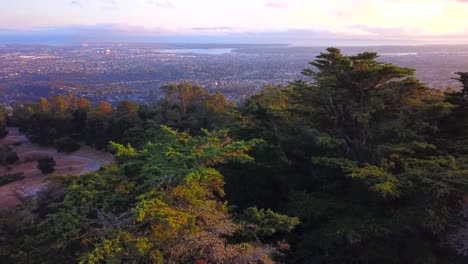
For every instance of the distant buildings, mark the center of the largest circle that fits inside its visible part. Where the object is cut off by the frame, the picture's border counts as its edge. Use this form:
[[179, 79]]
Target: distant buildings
[[114, 72]]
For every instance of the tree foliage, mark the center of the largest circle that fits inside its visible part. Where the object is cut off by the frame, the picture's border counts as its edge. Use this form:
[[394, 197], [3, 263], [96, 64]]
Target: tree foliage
[[162, 204], [3, 118], [185, 106], [371, 164], [7, 156], [46, 164], [66, 144], [353, 151]]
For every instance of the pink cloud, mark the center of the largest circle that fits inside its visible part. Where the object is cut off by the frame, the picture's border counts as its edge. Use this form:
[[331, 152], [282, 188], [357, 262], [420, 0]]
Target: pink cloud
[[277, 4]]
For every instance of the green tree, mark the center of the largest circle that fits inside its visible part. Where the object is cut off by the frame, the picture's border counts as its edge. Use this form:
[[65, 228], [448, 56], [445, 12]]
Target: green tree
[[97, 125], [266, 115], [124, 122], [163, 204], [3, 126], [7, 156], [454, 128], [372, 125], [355, 145], [64, 117], [46, 164], [191, 108], [66, 144], [371, 162], [3, 131]]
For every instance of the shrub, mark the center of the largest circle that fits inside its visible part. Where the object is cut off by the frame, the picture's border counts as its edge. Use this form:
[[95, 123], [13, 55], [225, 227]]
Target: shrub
[[9, 178], [7, 156], [3, 131], [11, 157], [66, 144], [46, 164]]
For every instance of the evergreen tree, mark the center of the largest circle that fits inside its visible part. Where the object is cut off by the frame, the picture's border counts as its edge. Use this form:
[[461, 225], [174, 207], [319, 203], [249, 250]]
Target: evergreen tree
[[454, 128], [46, 164], [355, 145], [163, 204], [373, 163], [3, 126]]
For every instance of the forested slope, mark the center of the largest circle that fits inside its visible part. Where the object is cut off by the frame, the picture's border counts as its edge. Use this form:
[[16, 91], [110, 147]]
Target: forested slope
[[358, 162]]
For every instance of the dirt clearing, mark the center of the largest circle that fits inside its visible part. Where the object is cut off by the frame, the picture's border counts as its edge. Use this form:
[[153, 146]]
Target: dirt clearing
[[80, 162]]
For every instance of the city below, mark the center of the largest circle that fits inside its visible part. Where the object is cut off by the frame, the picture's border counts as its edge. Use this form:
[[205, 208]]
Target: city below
[[115, 72]]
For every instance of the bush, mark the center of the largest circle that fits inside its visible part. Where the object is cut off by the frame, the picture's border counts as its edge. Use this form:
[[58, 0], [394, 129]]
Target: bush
[[66, 144], [7, 156], [11, 158], [3, 131], [46, 164], [9, 178]]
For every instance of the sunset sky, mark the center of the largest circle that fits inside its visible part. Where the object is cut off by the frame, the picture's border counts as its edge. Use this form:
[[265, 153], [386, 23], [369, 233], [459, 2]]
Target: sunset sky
[[285, 21]]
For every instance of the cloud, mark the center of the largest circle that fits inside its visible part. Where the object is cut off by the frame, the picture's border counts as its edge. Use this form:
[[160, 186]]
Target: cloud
[[109, 5], [357, 35], [397, 32], [81, 33], [109, 2], [410, 35], [213, 29], [423, 1], [75, 4], [463, 1], [161, 3], [337, 14], [277, 4], [383, 31]]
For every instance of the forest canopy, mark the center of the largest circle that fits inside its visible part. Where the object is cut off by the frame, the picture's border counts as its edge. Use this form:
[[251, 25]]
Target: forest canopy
[[358, 162]]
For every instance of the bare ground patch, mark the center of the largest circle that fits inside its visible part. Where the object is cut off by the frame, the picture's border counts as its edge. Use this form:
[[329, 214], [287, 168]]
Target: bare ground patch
[[80, 162]]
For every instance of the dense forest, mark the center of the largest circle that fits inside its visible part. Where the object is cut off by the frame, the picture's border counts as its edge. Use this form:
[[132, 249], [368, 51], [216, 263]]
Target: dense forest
[[358, 162]]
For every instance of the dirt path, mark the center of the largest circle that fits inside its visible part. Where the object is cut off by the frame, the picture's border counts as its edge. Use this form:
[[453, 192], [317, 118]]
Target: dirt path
[[80, 162]]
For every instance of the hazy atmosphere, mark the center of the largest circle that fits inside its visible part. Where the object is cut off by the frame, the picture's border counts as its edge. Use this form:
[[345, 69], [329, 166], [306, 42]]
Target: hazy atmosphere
[[302, 22]]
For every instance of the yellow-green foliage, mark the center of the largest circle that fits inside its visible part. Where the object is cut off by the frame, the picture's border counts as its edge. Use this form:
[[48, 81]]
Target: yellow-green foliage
[[162, 204], [372, 163]]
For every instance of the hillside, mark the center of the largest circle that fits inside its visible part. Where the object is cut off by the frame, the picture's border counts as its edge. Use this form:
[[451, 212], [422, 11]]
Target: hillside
[[356, 162]]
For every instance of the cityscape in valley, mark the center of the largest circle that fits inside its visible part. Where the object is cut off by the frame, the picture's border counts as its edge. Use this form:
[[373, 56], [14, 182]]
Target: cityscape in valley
[[124, 71]]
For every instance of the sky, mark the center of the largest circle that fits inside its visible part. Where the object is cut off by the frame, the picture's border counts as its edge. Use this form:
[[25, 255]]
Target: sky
[[311, 22]]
